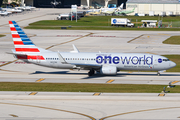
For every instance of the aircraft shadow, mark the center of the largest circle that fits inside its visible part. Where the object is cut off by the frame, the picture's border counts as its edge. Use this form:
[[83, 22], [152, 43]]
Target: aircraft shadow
[[129, 74], [97, 75], [146, 74], [57, 72]]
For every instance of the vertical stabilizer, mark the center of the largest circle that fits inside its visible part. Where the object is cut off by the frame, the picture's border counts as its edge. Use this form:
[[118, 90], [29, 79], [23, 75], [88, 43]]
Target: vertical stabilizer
[[21, 41], [24, 47]]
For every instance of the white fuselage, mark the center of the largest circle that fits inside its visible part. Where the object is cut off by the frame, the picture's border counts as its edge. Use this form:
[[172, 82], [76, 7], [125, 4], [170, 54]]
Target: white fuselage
[[122, 61]]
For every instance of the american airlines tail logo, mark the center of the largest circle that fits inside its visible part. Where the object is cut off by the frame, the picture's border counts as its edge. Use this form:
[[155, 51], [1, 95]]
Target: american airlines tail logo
[[21, 41], [135, 60], [23, 44]]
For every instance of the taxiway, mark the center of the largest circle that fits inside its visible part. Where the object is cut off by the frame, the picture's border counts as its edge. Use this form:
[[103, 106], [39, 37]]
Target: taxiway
[[34, 105]]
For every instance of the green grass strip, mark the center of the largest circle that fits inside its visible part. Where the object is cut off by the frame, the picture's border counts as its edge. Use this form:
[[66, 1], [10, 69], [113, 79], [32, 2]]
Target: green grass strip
[[104, 23], [102, 28], [73, 87], [173, 40]]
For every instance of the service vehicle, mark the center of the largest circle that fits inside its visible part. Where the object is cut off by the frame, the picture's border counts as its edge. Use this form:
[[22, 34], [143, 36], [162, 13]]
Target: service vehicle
[[124, 22]]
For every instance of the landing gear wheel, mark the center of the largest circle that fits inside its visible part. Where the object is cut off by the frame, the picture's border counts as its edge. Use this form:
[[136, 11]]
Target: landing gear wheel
[[91, 72], [158, 73]]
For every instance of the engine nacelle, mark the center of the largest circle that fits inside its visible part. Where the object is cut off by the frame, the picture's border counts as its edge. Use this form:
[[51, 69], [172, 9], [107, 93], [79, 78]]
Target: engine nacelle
[[108, 70]]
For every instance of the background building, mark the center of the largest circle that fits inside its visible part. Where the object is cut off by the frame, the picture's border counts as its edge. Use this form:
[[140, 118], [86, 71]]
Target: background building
[[68, 3], [102, 3], [1, 2], [156, 6]]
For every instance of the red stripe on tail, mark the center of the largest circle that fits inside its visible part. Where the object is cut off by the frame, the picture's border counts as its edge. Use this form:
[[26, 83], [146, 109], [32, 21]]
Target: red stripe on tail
[[18, 43], [15, 36], [30, 57], [10, 22], [13, 29], [27, 50]]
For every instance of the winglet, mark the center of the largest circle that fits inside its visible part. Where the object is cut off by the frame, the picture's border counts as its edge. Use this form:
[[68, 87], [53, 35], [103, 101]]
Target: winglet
[[75, 49]]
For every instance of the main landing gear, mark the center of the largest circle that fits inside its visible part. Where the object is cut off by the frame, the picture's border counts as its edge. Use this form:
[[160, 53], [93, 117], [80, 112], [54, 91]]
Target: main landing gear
[[158, 73], [91, 72]]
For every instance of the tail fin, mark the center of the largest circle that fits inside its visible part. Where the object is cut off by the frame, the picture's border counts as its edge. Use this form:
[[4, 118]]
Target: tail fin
[[25, 49], [133, 9], [21, 41], [121, 6]]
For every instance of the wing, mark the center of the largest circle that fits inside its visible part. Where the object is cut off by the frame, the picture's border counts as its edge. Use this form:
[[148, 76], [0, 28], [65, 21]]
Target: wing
[[87, 66], [79, 65]]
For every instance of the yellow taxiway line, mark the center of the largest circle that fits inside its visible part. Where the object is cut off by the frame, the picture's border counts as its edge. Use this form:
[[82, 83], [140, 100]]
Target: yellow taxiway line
[[33, 93], [96, 94], [8, 63], [174, 82], [110, 81], [68, 41], [161, 94], [41, 79], [139, 112], [13, 115], [49, 109]]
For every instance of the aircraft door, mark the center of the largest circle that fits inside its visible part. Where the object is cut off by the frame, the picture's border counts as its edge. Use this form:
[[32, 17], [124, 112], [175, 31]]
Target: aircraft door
[[38, 59], [155, 65]]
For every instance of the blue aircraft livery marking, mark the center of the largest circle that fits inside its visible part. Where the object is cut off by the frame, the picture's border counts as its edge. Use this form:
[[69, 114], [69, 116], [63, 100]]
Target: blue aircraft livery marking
[[135, 60], [160, 60]]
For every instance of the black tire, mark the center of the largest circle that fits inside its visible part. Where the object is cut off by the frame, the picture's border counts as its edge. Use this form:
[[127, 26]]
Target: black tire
[[91, 72]]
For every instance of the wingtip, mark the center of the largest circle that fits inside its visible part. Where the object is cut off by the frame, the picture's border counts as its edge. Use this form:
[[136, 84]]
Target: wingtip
[[75, 49]]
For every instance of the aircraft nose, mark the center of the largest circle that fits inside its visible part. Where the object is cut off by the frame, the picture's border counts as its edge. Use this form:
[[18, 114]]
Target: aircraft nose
[[172, 64]]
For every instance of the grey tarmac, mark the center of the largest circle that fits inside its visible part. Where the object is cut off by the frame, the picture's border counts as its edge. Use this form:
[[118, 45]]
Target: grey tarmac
[[34, 105]]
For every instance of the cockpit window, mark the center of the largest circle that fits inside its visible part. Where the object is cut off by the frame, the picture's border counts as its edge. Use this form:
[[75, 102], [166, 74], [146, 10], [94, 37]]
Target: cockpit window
[[166, 60]]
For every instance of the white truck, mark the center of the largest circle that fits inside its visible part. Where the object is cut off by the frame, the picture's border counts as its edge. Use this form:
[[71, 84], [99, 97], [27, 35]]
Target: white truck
[[124, 22]]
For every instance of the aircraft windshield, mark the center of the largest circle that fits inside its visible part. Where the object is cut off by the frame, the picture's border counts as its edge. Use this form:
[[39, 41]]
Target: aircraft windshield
[[166, 60]]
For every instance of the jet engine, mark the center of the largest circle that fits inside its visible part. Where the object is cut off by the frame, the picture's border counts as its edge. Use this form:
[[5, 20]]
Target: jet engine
[[108, 70]]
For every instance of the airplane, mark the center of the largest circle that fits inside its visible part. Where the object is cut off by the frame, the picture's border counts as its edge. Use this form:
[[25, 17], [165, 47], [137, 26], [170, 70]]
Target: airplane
[[4, 13], [12, 10], [93, 12], [55, 3], [105, 63], [124, 12], [111, 10], [108, 10], [27, 8]]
